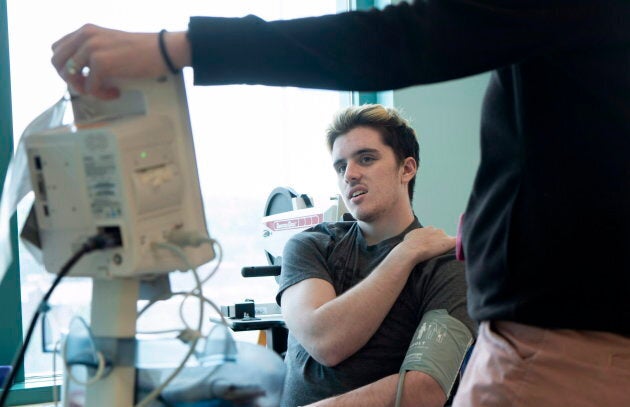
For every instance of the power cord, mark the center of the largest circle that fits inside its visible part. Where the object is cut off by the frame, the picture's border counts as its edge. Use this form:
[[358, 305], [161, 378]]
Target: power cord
[[183, 238], [192, 335], [97, 242], [187, 295], [176, 240]]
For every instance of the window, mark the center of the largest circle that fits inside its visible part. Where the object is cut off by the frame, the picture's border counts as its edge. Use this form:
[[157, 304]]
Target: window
[[249, 140]]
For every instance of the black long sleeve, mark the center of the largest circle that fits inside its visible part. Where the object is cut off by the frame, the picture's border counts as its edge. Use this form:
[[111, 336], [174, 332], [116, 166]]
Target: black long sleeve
[[402, 45], [546, 227]]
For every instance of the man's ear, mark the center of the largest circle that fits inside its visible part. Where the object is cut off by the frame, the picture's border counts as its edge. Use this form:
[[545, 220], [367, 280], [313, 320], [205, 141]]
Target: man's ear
[[409, 169]]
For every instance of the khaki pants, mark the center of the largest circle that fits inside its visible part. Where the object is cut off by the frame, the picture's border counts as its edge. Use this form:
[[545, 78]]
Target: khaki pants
[[520, 365]]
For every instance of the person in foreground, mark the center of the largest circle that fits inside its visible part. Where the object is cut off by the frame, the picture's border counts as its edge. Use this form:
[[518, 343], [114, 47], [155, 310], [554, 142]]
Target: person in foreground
[[353, 293], [545, 233]]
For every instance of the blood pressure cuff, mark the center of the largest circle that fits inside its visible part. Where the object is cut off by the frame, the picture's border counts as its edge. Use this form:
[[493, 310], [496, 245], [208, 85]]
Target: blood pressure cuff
[[438, 348]]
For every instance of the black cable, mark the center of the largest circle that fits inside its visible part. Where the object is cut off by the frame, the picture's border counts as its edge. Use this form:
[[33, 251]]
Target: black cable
[[94, 243]]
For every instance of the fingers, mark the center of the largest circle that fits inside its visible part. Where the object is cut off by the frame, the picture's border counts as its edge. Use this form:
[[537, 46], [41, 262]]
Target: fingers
[[66, 60], [74, 58], [67, 46], [425, 232], [89, 78], [92, 58], [428, 242], [450, 242], [62, 50]]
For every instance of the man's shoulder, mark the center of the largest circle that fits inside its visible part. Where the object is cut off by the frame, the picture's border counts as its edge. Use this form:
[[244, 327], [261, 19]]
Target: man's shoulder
[[446, 258], [444, 263], [327, 231]]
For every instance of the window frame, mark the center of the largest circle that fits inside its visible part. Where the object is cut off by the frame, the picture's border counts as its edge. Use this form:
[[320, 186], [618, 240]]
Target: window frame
[[10, 294], [40, 390]]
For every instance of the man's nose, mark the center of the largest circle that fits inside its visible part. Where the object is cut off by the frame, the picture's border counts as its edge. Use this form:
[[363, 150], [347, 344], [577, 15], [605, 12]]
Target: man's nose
[[352, 173]]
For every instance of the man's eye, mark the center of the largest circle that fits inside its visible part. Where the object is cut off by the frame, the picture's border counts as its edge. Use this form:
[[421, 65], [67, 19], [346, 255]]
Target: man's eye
[[341, 169], [367, 159]]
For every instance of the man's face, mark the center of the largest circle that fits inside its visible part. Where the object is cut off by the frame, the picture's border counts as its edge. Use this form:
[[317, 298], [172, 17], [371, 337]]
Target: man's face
[[370, 180]]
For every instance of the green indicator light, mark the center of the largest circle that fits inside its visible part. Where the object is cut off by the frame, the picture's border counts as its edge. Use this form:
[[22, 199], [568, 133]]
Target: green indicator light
[[143, 154]]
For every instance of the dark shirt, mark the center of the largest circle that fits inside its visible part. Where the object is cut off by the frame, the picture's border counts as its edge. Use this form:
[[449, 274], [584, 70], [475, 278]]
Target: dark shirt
[[546, 227], [339, 254]]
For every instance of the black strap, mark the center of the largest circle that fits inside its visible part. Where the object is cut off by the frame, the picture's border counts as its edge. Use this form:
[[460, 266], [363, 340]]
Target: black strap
[[165, 56]]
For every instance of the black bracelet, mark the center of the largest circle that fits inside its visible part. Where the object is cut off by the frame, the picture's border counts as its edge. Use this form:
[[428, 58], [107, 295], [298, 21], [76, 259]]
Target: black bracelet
[[167, 59]]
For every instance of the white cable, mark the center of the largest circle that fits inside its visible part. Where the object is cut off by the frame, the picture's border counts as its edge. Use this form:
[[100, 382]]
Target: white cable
[[207, 301], [158, 298], [153, 301], [192, 239], [196, 292], [159, 332], [184, 238], [188, 294], [156, 392], [100, 370], [175, 249], [219, 259], [399, 388], [56, 349]]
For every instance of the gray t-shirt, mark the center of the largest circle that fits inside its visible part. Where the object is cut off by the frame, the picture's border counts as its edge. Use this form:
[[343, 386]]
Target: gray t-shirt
[[337, 252]]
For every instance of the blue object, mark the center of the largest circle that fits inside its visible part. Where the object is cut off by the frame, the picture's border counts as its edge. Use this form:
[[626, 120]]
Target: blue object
[[4, 372]]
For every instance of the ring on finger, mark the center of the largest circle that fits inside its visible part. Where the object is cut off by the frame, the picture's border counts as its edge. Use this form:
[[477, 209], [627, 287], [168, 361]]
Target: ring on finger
[[71, 66]]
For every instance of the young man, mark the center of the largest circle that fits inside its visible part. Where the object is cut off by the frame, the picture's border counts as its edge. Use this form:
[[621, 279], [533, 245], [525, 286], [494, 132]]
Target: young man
[[354, 293]]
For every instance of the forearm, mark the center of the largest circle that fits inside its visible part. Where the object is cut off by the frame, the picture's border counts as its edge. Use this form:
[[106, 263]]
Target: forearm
[[331, 328], [419, 390]]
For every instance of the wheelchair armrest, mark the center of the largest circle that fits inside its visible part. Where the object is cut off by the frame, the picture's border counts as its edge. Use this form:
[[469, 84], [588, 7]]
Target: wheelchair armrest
[[260, 271]]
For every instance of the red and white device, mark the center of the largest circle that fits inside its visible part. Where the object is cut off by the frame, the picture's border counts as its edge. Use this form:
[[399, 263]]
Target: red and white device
[[288, 213]]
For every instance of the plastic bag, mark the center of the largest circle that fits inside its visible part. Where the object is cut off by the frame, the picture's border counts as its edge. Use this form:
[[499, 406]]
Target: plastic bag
[[17, 183]]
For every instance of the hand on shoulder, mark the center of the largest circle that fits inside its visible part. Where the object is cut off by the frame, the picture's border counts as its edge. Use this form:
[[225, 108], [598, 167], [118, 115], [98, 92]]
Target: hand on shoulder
[[424, 243]]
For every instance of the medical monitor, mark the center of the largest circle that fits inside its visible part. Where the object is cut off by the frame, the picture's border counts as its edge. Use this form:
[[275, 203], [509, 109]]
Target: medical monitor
[[126, 167]]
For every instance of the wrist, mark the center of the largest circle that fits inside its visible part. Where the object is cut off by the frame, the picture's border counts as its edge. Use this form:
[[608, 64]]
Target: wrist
[[178, 48], [405, 260]]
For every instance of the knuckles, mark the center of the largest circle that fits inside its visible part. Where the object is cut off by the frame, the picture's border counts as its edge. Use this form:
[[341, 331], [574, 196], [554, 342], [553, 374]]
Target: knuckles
[[88, 30]]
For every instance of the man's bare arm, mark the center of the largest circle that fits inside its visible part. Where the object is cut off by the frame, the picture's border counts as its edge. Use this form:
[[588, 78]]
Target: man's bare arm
[[332, 328], [420, 390]]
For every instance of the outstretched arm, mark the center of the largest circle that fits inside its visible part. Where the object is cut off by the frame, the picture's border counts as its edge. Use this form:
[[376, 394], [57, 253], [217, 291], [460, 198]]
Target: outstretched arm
[[402, 45], [331, 328]]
